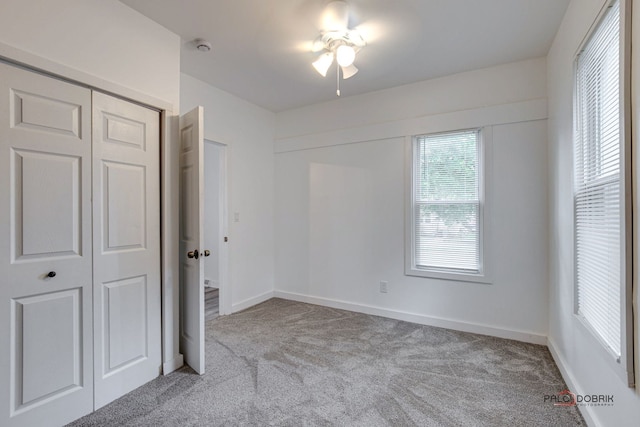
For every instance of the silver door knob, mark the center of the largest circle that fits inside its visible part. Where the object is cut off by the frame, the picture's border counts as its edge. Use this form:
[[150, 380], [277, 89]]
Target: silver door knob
[[207, 252], [193, 254]]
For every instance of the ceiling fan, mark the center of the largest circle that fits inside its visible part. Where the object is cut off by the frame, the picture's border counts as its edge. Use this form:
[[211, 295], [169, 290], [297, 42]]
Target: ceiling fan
[[337, 42]]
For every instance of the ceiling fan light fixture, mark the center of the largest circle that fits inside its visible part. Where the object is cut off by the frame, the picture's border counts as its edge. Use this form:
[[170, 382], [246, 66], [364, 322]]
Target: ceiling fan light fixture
[[355, 38], [323, 63], [349, 71], [338, 42], [345, 55]]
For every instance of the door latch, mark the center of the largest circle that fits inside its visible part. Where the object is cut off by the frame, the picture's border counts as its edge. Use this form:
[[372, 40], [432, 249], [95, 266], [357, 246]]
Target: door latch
[[193, 254]]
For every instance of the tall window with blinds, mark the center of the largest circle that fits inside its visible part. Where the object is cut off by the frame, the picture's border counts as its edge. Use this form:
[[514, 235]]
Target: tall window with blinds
[[598, 187], [447, 206]]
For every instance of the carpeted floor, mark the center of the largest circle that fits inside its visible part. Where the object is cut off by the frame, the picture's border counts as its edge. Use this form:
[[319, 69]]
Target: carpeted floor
[[286, 363]]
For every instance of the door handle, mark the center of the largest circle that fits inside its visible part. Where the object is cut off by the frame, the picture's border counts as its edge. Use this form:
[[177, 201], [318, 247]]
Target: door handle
[[51, 274], [207, 252], [193, 254]]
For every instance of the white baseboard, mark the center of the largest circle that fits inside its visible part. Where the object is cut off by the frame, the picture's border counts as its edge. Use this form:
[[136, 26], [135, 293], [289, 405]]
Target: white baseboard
[[586, 411], [173, 364], [243, 305], [417, 318]]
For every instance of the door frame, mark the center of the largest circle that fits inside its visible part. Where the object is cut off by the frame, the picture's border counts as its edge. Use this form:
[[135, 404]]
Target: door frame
[[169, 200], [224, 299]]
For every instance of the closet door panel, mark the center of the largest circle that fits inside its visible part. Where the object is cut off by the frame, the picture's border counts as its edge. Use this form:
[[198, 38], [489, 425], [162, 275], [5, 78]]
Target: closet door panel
[[126, 246], [52, 115], [46, 190], [46, 341], [125, 323], [49, 361], [124, 205]]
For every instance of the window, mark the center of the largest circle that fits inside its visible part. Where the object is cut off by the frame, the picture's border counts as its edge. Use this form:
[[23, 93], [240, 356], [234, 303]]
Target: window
[[445, 232], [602, 277]]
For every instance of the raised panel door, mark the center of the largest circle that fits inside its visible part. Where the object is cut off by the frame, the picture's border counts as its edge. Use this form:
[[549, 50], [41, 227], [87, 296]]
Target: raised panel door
[[126, 246], [46, 340], [192, 238]]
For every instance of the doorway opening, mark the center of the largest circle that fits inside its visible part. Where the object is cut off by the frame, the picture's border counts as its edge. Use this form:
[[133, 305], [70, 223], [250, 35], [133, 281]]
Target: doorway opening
[[216, 287]]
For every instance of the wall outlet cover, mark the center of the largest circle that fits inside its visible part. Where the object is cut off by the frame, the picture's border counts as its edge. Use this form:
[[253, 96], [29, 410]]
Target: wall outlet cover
[[383, 287]]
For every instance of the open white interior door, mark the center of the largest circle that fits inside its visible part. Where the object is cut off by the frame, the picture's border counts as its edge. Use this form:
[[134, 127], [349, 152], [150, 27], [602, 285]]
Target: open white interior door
[[192, 239]]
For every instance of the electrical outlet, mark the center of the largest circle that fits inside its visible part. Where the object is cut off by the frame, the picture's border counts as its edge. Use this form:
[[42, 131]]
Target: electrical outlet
[[383, 286]]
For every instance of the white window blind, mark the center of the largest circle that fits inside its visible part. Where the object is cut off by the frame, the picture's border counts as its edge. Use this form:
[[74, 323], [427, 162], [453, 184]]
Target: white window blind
[[447, 208], [598, 202]]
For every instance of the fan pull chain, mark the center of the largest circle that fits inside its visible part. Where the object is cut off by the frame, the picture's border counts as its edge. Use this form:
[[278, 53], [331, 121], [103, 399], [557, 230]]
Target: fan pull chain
[[338, 79]]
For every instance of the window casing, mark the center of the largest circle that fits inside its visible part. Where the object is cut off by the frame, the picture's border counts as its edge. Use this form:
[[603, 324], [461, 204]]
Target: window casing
[[445, 209], [601, 177]]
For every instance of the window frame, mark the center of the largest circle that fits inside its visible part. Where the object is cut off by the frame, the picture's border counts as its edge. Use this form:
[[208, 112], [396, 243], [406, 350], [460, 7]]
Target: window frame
[[483, 276], [624, 364]]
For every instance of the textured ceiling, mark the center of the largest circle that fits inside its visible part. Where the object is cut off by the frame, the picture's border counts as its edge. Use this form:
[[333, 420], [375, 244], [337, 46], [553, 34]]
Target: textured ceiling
[[261, 48]]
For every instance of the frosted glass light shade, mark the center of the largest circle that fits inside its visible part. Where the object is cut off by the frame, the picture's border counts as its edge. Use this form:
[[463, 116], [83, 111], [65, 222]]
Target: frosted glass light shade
[[323, 63], [349, 71], [345, 55]]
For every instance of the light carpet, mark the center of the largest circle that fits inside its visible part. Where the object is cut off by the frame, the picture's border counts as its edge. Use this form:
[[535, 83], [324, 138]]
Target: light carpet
[[286, 363]]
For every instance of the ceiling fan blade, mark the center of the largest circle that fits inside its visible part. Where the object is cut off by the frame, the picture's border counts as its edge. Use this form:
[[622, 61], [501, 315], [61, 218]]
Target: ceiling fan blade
[[349, 71], [317, 45], [371, 31], [323, 63], [335, 16]]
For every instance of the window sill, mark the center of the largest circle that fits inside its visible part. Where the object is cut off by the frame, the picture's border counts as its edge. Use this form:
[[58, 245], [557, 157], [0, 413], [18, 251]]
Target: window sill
[[454, 276]]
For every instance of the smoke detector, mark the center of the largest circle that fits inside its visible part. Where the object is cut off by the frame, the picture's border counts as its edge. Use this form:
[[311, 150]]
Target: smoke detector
[[202, 45]]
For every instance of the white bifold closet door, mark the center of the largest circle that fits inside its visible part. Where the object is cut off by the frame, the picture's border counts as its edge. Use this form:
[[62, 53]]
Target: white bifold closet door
[[46, 339], [126, 246], [79, 249]]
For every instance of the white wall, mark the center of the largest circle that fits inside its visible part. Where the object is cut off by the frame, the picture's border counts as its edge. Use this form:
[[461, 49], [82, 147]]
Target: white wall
[[340, 170], [501, 85], [248, 132], [575, 350], [103, 38]]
